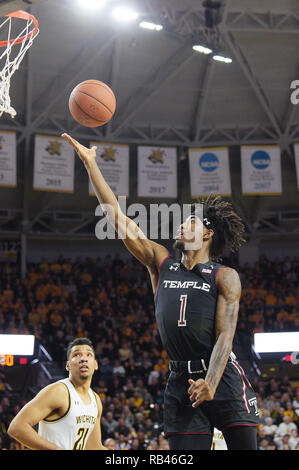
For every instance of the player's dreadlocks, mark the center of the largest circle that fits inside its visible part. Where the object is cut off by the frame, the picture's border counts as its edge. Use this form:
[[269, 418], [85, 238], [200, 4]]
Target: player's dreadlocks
[[227, 225]]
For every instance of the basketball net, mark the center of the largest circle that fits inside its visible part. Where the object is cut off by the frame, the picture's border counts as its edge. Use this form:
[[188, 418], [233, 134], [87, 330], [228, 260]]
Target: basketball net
[[12, 52]]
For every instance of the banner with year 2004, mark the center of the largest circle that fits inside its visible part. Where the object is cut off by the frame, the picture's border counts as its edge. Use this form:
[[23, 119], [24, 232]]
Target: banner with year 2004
[[261, 170], [157, 172], [8, 159], [113, 161], [209, 171], [53, 164]]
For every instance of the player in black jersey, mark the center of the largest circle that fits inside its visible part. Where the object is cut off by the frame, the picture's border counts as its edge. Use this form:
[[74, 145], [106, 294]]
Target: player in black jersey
[[197, 301]]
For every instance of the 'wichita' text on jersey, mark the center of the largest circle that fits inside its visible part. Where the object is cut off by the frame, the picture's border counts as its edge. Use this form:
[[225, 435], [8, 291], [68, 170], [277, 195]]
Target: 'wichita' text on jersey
[[85, 419]]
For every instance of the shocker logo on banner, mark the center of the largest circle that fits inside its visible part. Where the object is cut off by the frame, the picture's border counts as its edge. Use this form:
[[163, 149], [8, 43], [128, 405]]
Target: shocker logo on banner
[[109, 154], [157, 156], [54, 148]]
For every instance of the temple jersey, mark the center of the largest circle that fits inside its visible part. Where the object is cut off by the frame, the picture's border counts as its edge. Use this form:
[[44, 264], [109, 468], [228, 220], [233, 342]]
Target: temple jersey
[[71, 431], [185, 302]]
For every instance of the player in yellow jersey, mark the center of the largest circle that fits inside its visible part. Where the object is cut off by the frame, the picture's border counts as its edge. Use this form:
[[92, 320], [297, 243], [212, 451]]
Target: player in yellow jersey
[[67, 412]]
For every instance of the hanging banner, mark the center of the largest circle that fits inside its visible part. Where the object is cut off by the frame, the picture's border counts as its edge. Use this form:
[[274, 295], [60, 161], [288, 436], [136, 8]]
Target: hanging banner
[[296, 153], [209, 171], [8, 159], [157, 172], [9, 250], [113, 161], [261, 170], [53, 164]]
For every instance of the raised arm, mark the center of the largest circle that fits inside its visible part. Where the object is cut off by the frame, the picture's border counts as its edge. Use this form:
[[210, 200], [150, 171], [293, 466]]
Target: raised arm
[[52, 398], [229, 291], [146, 251]]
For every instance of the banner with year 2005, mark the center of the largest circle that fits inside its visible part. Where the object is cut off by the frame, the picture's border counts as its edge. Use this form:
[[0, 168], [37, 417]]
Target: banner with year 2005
[[209, 171], [8, 159], [113, 161], [157, 172], [53, 164], [261, 170]]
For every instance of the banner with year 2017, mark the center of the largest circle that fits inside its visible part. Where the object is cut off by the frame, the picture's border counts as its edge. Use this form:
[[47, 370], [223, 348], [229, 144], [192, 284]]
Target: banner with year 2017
[[209, 171], [113, 161], [8, 159], [53, 164], [157, 172], [296, 152], [261, 170]]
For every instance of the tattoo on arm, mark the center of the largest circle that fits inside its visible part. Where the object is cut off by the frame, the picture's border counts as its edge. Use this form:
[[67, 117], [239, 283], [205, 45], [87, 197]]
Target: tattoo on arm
[[229, 289]]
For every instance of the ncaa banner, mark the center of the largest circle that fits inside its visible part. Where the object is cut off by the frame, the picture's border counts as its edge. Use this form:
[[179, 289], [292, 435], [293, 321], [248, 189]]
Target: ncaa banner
[[8, 159], [209, 171], [296, 153], [261, 170], [157, 172], [53, 164], [113, 161]]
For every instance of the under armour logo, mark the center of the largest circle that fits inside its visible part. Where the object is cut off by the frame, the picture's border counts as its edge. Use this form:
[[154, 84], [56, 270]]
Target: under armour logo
[[206, 221], [174, 266]]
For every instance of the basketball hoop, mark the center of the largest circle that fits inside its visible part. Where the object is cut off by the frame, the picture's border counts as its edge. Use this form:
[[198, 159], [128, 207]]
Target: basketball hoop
[[14, 52]]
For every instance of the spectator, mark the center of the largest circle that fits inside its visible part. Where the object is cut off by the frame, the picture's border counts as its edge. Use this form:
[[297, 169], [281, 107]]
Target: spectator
[[294, 439], [286, 427], [106, 371], [135, 444], [110, 444], [118, 369], [123, 443], [109, 424], [143, 442], [263, 444], [122, 429], [270, 428], [295, 402]]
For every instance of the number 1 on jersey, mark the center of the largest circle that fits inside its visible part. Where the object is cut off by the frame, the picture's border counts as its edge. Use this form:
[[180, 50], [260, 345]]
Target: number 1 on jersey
[[182, 320]]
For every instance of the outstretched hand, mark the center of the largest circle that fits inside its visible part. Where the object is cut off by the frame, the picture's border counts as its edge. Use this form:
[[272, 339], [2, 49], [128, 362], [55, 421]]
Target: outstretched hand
[[199, 391], [86, 155]]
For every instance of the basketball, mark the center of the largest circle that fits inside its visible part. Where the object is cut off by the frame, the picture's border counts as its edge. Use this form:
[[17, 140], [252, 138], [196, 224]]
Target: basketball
[[92, 103]]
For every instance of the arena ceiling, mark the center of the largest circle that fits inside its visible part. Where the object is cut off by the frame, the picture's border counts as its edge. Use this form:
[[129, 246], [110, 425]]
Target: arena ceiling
[[167, 94]]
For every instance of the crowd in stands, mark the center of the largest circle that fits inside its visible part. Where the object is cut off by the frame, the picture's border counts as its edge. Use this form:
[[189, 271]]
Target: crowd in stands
[[110, 301]]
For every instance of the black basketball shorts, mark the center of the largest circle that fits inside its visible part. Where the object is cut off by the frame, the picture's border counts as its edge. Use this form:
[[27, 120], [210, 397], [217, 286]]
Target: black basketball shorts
[[234, 403]]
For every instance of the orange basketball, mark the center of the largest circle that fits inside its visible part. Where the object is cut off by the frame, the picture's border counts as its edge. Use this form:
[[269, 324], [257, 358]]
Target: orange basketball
[[92, 103]]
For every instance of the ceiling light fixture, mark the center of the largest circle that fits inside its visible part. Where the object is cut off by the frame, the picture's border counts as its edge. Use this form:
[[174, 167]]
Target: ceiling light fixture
[[220, 58], [202, 49], [124, 14], [150, 25]]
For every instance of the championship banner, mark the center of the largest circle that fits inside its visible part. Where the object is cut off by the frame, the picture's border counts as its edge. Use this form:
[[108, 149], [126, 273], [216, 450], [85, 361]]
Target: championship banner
[[296, 153], [9, 250], [53, 164], [209, 171], [261, 170], [8, 159], [113, 161], [157, 172]]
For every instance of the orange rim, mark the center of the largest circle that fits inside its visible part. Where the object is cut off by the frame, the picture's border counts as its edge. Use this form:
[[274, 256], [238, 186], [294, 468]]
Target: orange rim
[[23, 15]]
